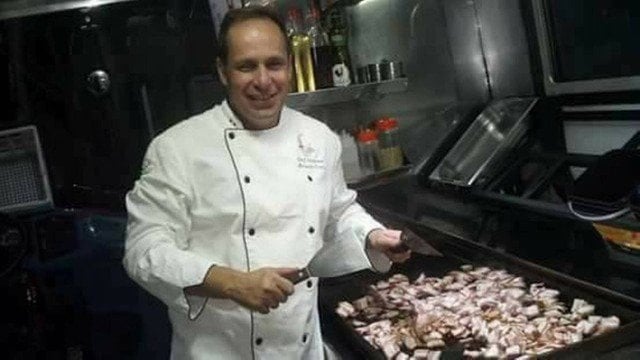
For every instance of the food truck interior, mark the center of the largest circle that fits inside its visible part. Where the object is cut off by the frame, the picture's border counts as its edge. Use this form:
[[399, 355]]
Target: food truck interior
[[519, 123]]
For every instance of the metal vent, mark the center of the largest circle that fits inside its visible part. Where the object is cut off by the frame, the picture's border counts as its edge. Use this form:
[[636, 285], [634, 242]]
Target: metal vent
[[24, 184]]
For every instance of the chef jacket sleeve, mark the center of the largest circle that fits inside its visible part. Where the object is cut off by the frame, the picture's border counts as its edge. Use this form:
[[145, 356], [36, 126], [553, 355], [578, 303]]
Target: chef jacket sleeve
[[156, 255], [348, 221]]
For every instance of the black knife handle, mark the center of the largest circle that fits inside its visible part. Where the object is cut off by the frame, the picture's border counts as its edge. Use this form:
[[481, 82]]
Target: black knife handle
[[400, 248], [298, 276]]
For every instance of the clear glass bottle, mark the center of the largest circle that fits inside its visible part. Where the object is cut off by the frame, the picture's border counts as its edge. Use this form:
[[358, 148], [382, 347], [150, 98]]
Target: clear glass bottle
[[289, 26], [301, 53], [390, 153], [320, 49], [341, 69], [368, 151]]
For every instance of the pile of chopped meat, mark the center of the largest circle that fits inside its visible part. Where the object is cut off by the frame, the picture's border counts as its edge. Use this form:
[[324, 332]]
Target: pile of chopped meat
[[490, 312]]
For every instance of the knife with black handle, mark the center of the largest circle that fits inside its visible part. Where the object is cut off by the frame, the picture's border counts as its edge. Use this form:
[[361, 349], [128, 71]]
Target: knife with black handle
[[330, 261]]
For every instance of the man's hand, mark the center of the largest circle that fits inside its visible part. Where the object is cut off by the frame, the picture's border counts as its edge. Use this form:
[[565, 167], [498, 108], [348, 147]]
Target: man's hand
[[259, 290], [263, 289], [388, 242]]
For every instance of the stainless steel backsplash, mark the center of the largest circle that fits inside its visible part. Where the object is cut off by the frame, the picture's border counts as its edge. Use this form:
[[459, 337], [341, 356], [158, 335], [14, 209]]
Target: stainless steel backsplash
[[457, 55]]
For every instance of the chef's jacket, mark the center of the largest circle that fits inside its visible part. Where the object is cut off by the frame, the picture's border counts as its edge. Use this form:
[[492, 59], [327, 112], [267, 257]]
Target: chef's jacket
[[214, 193]]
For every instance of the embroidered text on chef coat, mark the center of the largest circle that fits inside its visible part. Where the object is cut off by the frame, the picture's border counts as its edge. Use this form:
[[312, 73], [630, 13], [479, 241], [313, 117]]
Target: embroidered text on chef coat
[[308, 156]]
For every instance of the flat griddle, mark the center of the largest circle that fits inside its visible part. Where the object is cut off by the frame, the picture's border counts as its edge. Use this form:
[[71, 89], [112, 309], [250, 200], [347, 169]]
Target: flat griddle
[[458, 252]]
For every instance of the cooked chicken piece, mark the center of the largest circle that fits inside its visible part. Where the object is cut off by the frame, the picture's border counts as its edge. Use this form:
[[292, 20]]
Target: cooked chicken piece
[[531, 311], [553, 313], [361, 303], [434, 344], [586, 310], [473, 354], [358, 323], [345, 309], [492, 352], [390, 350], [513, 293], [409, 342], [428, 289], [575, 337], [512, 351], [577, 304], [608, 323], [466, 267], [425, 354]]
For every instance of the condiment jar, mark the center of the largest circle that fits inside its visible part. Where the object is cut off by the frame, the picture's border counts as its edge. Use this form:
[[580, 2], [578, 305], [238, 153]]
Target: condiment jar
[[368, 151], [390, 152]]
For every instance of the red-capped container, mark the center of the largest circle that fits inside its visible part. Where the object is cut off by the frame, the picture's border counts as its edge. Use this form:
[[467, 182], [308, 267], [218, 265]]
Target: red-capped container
[[368, 151]]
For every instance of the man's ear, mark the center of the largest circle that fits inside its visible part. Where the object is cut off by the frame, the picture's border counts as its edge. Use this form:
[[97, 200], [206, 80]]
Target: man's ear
[[221, 73]]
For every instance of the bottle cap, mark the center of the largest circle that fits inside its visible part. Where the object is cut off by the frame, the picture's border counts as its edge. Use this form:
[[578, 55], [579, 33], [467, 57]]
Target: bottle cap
[[314, 12], [294, 13], [366, 135], [384, 124]]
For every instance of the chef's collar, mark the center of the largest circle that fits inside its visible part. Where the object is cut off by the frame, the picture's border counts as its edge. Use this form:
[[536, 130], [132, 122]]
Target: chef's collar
[[232, 119]]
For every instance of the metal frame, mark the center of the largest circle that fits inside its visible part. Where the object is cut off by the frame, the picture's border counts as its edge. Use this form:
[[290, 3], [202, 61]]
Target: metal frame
[[47, 202], [22, 8], [553, 87]]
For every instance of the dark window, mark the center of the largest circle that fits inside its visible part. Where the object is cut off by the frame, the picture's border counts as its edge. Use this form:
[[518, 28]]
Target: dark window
[[594, 39]]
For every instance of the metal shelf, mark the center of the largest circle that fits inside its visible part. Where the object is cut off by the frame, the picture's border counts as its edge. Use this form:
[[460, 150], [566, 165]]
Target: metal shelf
[[21, 8], [343, 3], [379, 178], [345, 94]]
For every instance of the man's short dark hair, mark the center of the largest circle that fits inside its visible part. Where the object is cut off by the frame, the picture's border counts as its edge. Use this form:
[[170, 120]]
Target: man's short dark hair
[[234, 16]]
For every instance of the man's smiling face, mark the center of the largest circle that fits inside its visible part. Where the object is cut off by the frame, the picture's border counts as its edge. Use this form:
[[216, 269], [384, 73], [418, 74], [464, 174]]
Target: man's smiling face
[[256, 72]]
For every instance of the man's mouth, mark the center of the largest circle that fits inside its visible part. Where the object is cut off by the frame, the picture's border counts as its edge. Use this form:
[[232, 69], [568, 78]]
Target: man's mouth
[[262, 97]]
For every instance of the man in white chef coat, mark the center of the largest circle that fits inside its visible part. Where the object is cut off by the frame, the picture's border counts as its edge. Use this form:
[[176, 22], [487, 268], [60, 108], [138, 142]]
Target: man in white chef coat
[[232, 200]]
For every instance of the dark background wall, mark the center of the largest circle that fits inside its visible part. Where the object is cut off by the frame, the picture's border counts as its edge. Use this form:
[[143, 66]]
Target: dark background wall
[[93, 143]]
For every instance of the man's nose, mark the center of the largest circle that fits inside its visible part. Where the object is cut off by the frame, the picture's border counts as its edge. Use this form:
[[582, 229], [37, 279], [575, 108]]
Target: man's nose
[[262, 77]]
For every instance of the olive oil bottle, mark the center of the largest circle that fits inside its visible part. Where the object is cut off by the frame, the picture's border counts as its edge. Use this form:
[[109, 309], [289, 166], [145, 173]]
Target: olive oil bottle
[[301, 53]]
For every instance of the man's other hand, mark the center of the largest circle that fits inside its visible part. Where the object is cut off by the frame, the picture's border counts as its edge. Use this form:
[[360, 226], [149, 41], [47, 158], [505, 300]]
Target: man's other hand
[[388, 242]]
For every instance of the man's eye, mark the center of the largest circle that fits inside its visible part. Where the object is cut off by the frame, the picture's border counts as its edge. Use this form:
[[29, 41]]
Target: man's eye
[[276, 65], [245, 67]]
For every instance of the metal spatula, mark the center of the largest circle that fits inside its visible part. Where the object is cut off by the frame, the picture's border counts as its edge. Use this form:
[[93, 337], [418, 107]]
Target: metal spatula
[[411, 241], [330, 260]]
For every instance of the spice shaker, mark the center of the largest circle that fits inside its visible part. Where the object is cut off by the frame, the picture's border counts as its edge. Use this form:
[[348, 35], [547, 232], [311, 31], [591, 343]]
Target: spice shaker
[[390, 152]]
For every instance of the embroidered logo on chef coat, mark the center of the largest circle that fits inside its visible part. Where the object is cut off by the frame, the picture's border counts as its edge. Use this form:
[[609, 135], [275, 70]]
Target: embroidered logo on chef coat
[[308, 156], [146, 166]]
